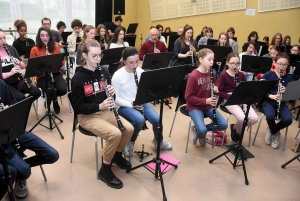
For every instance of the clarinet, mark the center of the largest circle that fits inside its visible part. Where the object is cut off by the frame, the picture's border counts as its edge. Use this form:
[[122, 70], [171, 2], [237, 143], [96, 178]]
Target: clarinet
[[137, 86], [154, 47], [104, 42], [280, 94], [21, 76], [27, 43], [47, 53], [212, 85], [120, 125], [193, 64]]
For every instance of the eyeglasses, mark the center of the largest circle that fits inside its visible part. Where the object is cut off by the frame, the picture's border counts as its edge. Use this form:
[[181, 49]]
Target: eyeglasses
[[235, 64], [97, 56], [153, 34], [282, 65]]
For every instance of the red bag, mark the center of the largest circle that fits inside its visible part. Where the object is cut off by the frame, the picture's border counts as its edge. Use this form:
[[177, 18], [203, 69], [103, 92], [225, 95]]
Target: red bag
[[218, 136]]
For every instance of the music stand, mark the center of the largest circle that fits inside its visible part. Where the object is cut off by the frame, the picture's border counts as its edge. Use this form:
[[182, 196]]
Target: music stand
[[28, 50], [65, 35], [10, 129], [287, 49], [246, 93], [45, 65], [256, 64], [112, 57], [132, 28], [211, 41], [172, 39], [166, 35], [154, 61], [220, 53], [158, 84], [130, 39]]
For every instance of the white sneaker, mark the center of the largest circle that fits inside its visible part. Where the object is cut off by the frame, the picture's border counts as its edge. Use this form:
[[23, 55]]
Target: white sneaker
[[202, 140], [164, 144], [21, 190], [275, 140], [194, 135], [268, 136], [128, 150]]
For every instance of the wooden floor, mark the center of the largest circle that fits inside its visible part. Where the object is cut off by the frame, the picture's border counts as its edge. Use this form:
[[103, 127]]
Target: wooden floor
[[195, 179]]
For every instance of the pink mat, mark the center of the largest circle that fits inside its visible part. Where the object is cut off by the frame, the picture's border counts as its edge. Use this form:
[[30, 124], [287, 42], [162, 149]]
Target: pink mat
[[165, 167]]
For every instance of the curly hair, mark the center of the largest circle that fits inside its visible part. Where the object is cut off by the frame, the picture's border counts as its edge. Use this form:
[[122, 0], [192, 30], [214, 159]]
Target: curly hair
[[76, 23], [20, 23]]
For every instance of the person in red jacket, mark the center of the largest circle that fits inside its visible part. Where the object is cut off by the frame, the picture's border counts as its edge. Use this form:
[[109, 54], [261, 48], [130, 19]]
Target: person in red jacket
[[199, 102], [45, 43]]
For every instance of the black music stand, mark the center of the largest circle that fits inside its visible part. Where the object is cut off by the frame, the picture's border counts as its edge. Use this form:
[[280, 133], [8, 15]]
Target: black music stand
[[154, 61], [296, 76], [246, 93], [45, 65], [172, 39], [132, 28], [112, 57], [220, 53], [256, 64], [212, 41], [65, 35], [158, 84], [10, 129], [130, 39], [287, 49], [166, 35]]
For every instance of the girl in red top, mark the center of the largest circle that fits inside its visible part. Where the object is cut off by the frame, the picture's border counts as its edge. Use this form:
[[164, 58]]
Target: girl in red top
[[59, 88], [199, 102], [228, 81]]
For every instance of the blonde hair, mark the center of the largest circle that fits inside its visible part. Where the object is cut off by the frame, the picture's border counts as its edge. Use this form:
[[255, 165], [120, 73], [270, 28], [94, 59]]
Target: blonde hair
[[86, 30], [204, 52], [85, 47]]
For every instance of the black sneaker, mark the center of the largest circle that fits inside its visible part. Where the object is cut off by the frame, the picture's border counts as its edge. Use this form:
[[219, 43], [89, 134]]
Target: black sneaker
[[234, 136], [56, 107], [120, 161], [108, 177]]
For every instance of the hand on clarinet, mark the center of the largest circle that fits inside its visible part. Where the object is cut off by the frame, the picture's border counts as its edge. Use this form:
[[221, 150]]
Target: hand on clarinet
[[157, 50], [216, 90], [16, 61], [275, 97], [189, 53], [138, 107], [107, 104], [211, 101], [111, 90], [282, 89], [15, 70]]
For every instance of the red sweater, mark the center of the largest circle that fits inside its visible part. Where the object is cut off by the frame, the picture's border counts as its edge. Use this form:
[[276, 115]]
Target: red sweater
[[148, 47], [227, 84], [37, 52], [198, 89]]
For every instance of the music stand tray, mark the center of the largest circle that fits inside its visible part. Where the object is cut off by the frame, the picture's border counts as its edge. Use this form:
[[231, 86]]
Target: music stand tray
[[246, 93], [130, 39], [132, 28], [10, 129], [45, 65], [220, 52], [158, 84], [172, 39], [256, 64], [65, 35], [111, 57], [154, 61]]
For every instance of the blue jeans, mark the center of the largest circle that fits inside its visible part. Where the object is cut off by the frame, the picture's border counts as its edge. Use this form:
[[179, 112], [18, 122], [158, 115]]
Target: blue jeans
[[13, 174], [198, 119], [45, 154], [137, 120], [270, 110]]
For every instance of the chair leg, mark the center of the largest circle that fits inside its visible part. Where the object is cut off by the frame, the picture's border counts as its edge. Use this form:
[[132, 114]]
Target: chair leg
[[172, 123], [298, 143], [44, 175], [297, 134], [250, 132], [101, 143], [72, 148], [257, 128], [61, 100], [70, 106], [96, 155], [286, 131], [37, 105], [187, 139], [35, 110]]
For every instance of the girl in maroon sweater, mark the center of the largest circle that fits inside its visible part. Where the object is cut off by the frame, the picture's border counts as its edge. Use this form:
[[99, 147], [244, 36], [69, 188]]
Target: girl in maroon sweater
[[228, 81], [199, 102]]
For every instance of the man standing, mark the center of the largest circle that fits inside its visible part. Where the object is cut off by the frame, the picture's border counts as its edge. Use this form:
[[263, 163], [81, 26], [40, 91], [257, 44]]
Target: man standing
[[153, 45]]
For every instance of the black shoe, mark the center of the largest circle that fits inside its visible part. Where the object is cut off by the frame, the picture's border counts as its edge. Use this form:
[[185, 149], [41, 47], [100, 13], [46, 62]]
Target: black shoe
[[108, 177], [233, 134], [56, 107], [120, 161]]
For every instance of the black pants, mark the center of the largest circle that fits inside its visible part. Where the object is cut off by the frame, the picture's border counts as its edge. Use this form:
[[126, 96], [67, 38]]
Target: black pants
[[59, 89], [19, 90]]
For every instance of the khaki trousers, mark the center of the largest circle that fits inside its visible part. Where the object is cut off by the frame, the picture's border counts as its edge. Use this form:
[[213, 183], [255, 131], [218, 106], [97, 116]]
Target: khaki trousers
[[104, 125]]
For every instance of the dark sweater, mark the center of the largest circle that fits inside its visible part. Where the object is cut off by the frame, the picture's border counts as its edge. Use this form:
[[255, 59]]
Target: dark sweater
[[148, 47], [227, 84], [6, 97], [20, 45], [88, 90], [198, 89], [178, 49]]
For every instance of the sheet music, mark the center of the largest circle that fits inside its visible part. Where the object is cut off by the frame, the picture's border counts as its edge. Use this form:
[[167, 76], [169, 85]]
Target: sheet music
[[271, 5]]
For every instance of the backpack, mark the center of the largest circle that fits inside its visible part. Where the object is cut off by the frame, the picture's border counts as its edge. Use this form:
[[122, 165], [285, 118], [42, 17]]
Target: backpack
[[218, 136]]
